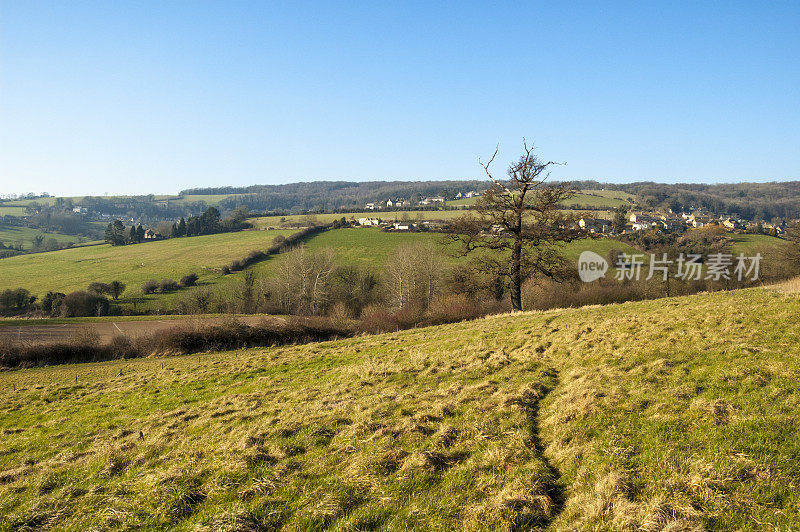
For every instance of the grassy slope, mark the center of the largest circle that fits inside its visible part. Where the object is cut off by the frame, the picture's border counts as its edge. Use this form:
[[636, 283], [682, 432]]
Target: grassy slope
[[373, 247], [746, 243], [674, 413], [74, 269], [12, 234], [610, 199]]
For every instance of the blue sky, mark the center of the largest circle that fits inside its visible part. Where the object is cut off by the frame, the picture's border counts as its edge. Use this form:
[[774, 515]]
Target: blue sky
[[140, 97]]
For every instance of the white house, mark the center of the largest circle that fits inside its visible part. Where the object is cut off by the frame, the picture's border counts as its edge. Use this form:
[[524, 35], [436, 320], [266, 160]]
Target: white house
[[369, 222], [402, 226], [370, 206], [389, 203], [595, 225]]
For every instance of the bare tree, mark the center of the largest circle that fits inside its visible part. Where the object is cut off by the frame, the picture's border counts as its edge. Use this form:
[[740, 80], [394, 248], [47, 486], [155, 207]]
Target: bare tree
[[304, 281], [413, 275], [518, 225]]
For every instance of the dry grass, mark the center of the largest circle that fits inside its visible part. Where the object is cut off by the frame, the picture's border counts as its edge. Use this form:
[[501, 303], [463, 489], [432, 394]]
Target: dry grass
[[677, 414]]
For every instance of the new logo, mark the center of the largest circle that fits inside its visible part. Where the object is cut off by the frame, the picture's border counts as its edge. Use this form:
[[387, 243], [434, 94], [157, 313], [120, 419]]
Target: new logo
[[591, 266]]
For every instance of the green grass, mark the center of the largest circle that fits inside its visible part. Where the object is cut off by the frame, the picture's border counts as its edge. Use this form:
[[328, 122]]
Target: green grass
[[276, 221], [74, 269], [210, 199], [675, 414], [12, 210], [746, 243], [609, 199], [12, 234], [372, 247], [598, 199]]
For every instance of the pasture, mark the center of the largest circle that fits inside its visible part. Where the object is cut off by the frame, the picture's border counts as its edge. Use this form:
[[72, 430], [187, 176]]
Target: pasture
[[674, 414], [73, 269], [10, 234]]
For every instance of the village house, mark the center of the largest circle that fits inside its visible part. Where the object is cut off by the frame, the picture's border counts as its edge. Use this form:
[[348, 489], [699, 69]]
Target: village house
[[389, 203], [370, 206], [641, 218], [642, 225], [402, 226], [672, 225], [698, 220], [732, 225], [152, 235], [595, 225], [369, 222]]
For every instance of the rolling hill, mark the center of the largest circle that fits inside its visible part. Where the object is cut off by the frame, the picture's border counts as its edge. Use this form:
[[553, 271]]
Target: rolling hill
[[674, 414], [74, 269]]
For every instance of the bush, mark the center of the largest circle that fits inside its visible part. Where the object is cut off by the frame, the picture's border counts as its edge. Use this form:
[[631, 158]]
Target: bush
[[15, 301], [84, 304], [167, 285], [149, 287], [452, 309], [99, 288], [51, 303], [189, 280], [226, 270]]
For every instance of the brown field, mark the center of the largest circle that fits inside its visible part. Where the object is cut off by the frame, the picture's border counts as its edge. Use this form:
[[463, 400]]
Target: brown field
[[106, 330]]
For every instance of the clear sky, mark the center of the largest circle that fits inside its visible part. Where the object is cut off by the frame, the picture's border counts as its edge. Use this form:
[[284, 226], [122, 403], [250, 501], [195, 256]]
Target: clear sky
[[141, 97]]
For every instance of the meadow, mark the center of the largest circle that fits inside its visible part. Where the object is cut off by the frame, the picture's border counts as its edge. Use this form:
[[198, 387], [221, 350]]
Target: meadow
[[11, 235], [676, 414], [591, 199], [73, 269]]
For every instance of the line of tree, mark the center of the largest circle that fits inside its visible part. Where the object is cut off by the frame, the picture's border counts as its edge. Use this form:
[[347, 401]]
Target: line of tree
[[208, 223]]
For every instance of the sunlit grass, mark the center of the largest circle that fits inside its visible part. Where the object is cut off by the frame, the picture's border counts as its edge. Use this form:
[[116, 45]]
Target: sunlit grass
[[671, 414]]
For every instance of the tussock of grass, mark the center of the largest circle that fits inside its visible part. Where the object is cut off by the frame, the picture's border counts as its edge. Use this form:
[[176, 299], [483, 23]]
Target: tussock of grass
[[677, 414]]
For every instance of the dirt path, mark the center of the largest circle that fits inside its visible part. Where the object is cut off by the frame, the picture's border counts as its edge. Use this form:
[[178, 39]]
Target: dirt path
[[109, 329]]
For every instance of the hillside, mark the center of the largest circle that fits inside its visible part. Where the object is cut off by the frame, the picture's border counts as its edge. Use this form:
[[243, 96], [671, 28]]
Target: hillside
[[74, 269], [675, 414]]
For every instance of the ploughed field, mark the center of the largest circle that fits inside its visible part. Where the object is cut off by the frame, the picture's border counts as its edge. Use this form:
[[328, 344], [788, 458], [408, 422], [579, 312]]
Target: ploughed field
[[65, 330], [673, 414]]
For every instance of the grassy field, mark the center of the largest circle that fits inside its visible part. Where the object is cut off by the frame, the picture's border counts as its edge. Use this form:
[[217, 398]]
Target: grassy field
[[74, 269], [12, 234], [676, 414], [610, 199], [210, 199], [371, 247], [15, 210], [745, 243], [310, 219]]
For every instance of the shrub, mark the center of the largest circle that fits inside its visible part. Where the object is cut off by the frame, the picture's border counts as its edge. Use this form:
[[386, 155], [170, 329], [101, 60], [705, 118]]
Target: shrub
[[452, 309], [149, 287], [51, 303], [15, 301], [167, 285], [189, 280], [84, 304], [99, 288], [377, 319], [226, 270]]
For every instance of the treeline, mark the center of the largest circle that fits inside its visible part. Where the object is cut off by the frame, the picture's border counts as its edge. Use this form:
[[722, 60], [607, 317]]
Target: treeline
[[332, 196], [208, 223], [750, 201]]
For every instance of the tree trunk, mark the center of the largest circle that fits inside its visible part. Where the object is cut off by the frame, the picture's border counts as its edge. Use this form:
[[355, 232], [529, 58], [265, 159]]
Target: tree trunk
[[516, 276]]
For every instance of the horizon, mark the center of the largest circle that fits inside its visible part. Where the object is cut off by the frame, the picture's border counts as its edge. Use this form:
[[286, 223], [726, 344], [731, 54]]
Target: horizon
[[197, 190], [147, 98]]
